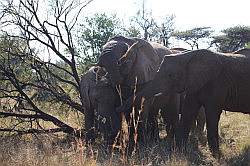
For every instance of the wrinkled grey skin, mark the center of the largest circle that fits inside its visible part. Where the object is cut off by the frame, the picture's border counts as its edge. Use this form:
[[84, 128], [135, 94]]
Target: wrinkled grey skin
[[213, 80], [114, 49], [99, 100], [198, 125], [143, 65]]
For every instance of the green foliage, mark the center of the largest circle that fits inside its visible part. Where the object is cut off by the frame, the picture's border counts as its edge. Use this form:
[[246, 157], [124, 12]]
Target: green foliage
[[28, 84], [132, 31], [232, 39], [13, 56], [94, 33], [248, 45], [193, 36]]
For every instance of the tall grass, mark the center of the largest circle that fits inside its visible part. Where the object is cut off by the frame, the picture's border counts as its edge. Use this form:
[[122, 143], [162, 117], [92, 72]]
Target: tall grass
[[29, 150]]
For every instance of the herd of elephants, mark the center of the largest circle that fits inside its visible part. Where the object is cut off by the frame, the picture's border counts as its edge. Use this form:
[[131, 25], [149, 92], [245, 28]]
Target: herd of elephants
[[143, 80]]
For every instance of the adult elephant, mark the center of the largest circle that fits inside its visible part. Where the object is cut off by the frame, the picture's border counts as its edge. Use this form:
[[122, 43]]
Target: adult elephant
[[99, 100], [214, 80], [133, 61]]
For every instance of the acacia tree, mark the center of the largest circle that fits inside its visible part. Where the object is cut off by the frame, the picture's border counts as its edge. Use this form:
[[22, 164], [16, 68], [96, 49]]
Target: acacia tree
[[232, 39], [193, 36], [55, 34]]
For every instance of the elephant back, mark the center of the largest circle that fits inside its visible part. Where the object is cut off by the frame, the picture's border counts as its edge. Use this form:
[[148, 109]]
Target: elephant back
[[244, 51], [161, 50]]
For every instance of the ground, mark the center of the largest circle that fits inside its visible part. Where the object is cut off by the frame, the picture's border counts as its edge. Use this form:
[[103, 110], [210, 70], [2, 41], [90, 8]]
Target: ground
[[57, 149]]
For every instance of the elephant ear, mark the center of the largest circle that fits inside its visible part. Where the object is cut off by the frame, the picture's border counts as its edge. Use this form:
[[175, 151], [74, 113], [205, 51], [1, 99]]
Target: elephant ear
[[141, 60], [203, 66], [127, 60]]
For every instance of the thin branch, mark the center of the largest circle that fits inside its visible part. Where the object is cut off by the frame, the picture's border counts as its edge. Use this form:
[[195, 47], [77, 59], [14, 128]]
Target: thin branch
[[9, 114]]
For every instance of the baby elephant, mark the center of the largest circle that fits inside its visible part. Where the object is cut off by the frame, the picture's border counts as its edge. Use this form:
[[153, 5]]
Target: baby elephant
[[99, 100]]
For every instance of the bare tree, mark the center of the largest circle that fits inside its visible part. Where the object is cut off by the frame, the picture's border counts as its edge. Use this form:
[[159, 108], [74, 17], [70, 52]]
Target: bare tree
[[54, 32], [165, 30], [151, 29], [145, 21]]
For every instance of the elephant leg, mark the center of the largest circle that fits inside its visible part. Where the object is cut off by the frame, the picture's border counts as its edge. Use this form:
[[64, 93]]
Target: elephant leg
[[198, 125], [212, 120], [201, 120], [152, 126], [115, 128], [189, 113], [146, 123], [89, 126], [170, 117]]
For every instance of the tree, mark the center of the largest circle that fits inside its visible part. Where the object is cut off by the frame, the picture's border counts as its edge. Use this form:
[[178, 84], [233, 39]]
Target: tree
[[132, 31], [193, 36], [232, 39], [95, 33], [165, 30], [146, 23], [25, 73], [151, 29]]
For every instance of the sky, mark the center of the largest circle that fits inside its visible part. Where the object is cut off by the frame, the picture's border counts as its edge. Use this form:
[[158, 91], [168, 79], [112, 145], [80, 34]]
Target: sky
[[218, 14]]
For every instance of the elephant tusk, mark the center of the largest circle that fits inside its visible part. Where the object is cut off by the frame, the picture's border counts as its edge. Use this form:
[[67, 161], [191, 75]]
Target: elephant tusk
[[158, 94], [119, 90]]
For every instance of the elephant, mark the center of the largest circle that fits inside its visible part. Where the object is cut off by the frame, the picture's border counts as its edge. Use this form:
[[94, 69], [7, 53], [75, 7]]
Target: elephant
[[198, 125], [214, 80], [128, 58], [99, 99], [169, 104]]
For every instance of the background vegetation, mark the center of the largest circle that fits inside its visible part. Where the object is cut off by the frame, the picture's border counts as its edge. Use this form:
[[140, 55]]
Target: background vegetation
[[42, 59]]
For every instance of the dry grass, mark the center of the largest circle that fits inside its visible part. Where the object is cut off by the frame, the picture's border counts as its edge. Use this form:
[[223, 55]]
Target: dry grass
[[56, 150]]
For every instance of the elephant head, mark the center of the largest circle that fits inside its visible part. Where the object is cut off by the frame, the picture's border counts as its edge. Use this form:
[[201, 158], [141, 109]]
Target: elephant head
[[100, 100], [111, 53], [141, 61], [112, 56]]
